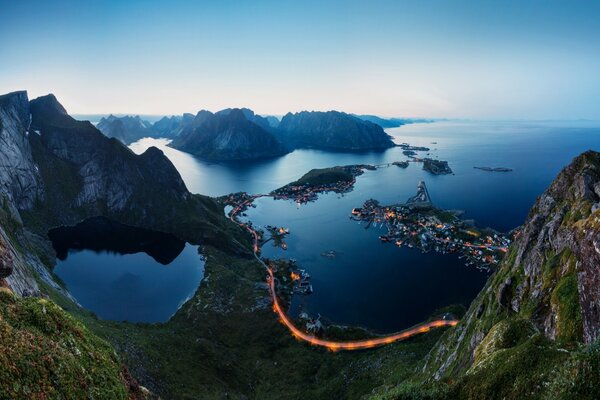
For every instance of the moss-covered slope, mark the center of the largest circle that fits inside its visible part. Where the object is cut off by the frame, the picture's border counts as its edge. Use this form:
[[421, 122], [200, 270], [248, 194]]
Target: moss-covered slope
[[46, 354]]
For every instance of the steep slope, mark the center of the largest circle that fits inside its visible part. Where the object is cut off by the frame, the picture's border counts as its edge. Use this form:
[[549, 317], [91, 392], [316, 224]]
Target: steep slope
[[19, 178], [331, 130], [45, 353], [533, 330], [127, 129], [228, 135]]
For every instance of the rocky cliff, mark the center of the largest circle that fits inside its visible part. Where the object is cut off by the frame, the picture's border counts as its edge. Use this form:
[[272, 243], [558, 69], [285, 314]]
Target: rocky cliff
[[232, 134], [127, 129], [331, 130], [19, 177], [533, 330]]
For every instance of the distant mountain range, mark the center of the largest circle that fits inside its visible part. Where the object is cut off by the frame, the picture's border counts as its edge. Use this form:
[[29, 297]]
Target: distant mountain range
[[391, 122], [240, 134], [232, 134], [127, 129], [331, 130]]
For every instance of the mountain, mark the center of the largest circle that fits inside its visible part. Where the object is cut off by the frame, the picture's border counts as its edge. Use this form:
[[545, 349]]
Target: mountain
[[172, 126], [127, 129], [273, 121], [331, 130], [250, 116], [231, 134], [533, 330]]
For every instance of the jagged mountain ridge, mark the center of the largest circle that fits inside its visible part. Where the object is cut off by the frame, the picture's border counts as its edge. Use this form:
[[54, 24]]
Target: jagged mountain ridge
[[332, 130], [127, 129], [228, 135], [225, 136]]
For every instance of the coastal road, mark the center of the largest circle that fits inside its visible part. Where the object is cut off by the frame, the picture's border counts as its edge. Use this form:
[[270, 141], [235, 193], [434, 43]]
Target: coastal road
[[330, 344]]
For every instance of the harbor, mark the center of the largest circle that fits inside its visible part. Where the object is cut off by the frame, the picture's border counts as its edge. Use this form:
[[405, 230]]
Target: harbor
[[418, 224]]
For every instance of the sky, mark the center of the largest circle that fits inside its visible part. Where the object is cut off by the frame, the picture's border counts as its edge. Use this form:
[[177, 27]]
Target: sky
[[444, 59]]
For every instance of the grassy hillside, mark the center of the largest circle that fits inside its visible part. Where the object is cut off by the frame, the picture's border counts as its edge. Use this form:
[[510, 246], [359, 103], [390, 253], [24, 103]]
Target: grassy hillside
[[47, 354], [324, 176]]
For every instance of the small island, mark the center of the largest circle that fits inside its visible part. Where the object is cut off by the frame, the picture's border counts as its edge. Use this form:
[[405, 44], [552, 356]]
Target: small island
[[494, 169], [406, 146], [334, 179], [436, 167]]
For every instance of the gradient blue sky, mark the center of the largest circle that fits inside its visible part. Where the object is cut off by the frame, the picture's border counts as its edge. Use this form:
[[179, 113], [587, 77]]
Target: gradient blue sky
[[472, 59]]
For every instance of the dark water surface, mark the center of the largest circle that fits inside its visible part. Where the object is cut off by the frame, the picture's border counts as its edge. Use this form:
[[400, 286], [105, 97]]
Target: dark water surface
[[126, 274]]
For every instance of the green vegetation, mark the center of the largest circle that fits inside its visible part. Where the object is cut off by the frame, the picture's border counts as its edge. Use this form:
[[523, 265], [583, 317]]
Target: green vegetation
[[515, 363], [47, 354], [566, 298], [324, 176]]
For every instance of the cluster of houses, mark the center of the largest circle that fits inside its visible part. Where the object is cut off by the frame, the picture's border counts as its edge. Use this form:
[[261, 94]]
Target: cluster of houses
[[308, 192], [278, 235], [425, 230], [301, 282]]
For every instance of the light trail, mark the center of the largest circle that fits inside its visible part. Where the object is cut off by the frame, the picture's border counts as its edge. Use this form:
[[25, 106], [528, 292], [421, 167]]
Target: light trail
[[330, 344], [350, 345]]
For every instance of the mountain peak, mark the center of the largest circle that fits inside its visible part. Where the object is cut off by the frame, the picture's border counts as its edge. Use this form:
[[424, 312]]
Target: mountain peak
[[46, 110], [18, 103]]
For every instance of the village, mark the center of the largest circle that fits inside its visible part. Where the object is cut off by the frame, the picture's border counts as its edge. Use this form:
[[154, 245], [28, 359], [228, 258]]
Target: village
[[418, 224], [308, 188]]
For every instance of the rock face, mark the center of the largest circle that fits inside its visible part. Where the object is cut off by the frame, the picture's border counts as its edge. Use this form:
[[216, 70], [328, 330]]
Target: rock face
[[232, 134], [331, 130], [101, 173], [6, 260], [19, 177], [127, 129], [550, 277]]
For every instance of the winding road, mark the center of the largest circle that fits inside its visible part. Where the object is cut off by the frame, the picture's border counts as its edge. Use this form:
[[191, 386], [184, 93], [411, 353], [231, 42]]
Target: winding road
[[330, 344]]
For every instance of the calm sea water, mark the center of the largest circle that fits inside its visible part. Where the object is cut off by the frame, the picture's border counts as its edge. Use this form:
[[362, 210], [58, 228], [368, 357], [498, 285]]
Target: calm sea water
[[378, 285]]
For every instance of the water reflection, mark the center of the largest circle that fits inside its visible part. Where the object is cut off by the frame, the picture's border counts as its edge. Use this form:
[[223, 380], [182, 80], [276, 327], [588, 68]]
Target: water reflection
[[125, 273]]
